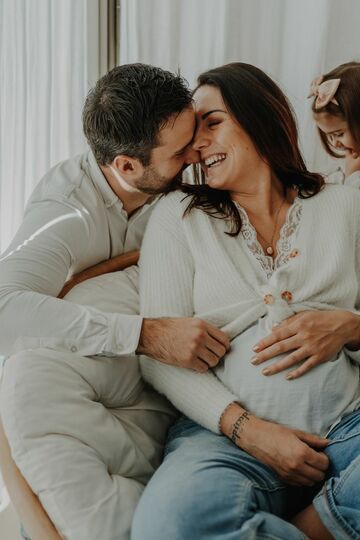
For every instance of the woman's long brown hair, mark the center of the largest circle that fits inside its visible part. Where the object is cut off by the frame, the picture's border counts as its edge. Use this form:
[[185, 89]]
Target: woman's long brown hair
[[262, 110]]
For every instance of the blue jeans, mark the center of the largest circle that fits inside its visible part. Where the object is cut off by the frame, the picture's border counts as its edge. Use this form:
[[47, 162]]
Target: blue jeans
[[207, 488]]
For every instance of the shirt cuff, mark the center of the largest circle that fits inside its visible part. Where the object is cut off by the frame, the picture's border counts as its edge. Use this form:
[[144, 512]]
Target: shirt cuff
[[124, 334]]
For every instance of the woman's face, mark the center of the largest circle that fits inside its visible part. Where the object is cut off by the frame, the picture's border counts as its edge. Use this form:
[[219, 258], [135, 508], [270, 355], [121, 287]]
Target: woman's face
[[337, 132], [228, 155]]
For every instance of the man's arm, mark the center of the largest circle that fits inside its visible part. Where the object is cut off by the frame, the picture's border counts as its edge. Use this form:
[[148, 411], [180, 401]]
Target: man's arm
[[53, 238]]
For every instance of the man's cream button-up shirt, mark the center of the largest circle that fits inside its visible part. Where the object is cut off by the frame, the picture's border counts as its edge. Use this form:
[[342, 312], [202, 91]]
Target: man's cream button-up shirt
[[72, 221]]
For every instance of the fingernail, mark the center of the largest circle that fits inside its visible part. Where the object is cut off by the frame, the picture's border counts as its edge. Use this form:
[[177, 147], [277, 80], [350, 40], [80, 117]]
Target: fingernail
[[266, 371], [289, 377], [256, 348], [254, 360]]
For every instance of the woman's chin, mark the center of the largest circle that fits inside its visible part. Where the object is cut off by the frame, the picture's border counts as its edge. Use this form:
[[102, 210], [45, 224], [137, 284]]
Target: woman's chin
[[215, 182]]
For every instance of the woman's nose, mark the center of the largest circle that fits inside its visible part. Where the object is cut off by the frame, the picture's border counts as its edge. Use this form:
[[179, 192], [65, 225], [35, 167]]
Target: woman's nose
[[199, 141]]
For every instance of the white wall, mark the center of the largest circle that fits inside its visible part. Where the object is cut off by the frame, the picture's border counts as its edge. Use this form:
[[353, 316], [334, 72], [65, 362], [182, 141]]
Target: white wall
[[293, 41]]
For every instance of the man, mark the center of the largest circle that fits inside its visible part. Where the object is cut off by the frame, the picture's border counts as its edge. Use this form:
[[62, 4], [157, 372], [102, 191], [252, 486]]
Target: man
[[83, 430]]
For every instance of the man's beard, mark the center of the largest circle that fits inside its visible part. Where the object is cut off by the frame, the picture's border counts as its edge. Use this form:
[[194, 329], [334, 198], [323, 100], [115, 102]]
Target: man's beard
[[153, 183]]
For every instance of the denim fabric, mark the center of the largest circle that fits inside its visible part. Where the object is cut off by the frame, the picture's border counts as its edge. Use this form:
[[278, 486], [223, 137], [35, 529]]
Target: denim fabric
[[338, 503], [207, 488]]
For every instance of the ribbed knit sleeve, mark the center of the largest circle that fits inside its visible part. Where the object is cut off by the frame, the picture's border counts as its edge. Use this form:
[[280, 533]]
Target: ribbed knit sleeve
[[166, 290], [355, 355]]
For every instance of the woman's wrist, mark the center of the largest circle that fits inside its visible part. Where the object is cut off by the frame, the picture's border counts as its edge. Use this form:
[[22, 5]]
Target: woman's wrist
[[235, 422]]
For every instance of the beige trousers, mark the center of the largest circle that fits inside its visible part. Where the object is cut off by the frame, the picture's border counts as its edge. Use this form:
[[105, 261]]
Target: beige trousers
[[86, 434]]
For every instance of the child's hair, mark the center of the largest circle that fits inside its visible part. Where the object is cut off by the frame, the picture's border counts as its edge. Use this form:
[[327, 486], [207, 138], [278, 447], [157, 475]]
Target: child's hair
[[348, 101]]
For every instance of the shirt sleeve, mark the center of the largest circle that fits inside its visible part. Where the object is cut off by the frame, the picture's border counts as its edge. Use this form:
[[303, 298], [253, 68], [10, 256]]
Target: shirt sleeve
[[166, 290], [52, 238]]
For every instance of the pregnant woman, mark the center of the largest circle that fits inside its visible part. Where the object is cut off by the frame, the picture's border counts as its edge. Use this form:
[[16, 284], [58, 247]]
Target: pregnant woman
[[262, 240]]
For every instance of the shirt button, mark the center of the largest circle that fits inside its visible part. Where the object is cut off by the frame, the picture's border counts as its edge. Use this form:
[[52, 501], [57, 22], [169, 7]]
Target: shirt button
[[294, 253], [73, 348], [286, 295], [269, 299]]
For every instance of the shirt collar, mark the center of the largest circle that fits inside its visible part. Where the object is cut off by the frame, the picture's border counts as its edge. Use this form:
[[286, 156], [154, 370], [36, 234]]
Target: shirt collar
[[97, 176]]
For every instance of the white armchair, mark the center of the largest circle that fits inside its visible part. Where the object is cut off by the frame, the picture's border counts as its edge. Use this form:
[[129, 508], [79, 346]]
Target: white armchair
[[28, 507]]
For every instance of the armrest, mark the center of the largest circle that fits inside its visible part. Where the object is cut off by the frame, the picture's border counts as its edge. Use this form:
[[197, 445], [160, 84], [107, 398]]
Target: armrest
[[27, 506]]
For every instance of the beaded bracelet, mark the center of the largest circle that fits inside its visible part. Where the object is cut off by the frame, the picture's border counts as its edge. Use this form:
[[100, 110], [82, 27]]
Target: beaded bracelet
[[224, 412], [238, 427]]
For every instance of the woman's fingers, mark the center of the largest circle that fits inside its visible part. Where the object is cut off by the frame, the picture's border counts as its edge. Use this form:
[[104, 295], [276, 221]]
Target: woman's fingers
[[306, 366], [279, 334], [289, 361]]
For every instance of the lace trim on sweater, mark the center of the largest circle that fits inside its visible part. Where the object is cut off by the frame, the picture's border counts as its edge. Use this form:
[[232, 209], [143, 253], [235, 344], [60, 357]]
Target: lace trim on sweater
[[284, 244]]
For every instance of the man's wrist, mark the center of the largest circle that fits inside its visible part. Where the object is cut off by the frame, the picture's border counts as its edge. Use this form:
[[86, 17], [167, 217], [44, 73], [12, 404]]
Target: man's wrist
[[150, 337], [353, 332]]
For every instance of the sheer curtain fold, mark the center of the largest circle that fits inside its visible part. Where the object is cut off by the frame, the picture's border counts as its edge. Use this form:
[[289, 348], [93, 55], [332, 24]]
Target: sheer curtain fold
[[51, 53], [292, 41]]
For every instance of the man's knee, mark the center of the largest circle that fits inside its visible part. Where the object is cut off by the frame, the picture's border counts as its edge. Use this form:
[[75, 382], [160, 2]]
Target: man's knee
[[33, 388], [16, 379]]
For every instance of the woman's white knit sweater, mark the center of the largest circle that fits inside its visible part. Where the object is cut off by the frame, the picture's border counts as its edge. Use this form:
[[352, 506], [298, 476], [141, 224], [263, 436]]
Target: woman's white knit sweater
[[189, 266]]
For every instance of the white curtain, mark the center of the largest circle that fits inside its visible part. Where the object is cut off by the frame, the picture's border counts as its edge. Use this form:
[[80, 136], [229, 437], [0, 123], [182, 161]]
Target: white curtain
[[50, 55], [292, 41]]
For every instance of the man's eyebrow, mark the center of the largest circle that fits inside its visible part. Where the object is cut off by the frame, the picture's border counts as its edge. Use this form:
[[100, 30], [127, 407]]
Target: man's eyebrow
[[205, 115]]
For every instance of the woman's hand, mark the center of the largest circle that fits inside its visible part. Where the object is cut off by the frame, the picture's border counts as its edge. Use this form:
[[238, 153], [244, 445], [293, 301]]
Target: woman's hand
[[310, 337], [294, 455], [120, 262]]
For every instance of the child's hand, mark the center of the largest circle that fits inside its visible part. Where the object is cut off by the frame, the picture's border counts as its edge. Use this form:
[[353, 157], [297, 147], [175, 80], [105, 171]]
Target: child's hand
[[352, 162]]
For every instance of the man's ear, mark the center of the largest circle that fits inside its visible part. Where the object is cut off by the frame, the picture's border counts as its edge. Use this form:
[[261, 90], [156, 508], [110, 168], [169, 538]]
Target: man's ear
[[128, 167]]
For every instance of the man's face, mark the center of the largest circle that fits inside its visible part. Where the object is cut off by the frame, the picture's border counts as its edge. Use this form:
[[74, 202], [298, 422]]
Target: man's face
[[171, 156]]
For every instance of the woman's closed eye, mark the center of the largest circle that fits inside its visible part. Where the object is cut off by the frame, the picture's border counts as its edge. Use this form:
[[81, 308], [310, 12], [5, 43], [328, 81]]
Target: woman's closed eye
[[213, 123]]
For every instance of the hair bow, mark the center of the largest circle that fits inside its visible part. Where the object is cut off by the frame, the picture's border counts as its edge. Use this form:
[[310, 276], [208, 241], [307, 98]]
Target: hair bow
[[324, 91]]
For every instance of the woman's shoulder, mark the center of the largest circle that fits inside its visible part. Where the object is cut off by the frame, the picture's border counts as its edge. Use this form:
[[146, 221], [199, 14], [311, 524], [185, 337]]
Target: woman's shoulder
[[342, 196], [172, 204], [169, 211]]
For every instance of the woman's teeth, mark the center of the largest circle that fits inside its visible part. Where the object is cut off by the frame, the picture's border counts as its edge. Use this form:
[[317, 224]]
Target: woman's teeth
[[216, 159]]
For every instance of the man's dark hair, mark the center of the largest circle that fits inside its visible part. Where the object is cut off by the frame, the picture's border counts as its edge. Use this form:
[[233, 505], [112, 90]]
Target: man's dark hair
[[127, 108]]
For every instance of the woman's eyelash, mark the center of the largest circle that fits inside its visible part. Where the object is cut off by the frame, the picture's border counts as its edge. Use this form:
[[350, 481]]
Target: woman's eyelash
[[213, 123]]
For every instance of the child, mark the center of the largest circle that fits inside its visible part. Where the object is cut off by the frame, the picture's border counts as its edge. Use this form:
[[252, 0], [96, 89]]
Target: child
[[336, 111]]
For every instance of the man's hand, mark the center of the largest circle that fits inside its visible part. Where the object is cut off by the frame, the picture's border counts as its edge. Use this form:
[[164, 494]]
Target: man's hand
[[293, 454], [311, 337], [184, 342]]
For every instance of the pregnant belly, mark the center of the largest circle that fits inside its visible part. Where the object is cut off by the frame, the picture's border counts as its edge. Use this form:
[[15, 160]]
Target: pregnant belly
[[311, 403]]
